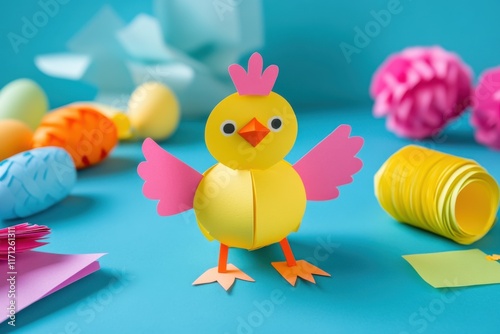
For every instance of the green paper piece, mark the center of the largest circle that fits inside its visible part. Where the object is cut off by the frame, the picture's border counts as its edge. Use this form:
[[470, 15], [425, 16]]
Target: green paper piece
[[456, 268]]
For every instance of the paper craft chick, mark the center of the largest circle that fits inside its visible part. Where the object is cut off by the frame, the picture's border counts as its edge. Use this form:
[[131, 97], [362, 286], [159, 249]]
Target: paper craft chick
[[252, 198]]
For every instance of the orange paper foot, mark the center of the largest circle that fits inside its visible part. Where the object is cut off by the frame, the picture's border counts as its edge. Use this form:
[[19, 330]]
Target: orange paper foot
[[302, 269], [225, 279]]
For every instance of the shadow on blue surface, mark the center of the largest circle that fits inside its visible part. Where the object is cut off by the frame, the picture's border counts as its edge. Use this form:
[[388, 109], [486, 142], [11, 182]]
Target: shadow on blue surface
[[111, 166], [71, 206]]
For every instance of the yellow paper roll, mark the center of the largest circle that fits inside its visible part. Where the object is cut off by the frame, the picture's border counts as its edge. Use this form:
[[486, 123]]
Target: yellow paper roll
[[445, 194]]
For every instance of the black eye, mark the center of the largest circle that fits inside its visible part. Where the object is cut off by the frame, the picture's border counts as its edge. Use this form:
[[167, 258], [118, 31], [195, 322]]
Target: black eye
[[275, 123], [228, 128]]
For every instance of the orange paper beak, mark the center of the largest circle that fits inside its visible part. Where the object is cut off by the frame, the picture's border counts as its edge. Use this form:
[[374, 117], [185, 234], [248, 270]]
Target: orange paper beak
[[253, 132]]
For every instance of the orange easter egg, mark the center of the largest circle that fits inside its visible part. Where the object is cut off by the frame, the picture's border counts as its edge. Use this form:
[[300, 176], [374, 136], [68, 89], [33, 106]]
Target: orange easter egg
[[85, 133], [15, 137]]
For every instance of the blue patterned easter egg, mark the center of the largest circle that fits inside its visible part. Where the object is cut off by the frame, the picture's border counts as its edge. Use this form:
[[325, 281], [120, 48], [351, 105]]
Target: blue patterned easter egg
[[34, 180]]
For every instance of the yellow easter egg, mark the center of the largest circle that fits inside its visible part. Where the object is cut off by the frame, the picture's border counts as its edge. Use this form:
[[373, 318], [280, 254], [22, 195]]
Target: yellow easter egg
[[15, 137], [25, 101], [153, 111]]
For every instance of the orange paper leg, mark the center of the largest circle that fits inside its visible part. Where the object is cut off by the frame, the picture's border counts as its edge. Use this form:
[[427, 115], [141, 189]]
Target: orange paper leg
[[291, 269], [290, 259], [224, 250], [225, 274]]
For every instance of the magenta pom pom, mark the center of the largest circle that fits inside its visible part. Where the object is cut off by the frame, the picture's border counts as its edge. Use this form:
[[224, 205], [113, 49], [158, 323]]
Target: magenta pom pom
[[420, 90], [486, 110]]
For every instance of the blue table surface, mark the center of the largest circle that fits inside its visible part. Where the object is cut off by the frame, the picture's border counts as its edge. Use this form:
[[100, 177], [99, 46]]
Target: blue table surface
[[144, 285]]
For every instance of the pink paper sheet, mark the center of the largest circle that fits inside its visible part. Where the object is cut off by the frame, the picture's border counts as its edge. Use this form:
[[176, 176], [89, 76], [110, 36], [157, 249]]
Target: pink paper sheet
[[40, 274]]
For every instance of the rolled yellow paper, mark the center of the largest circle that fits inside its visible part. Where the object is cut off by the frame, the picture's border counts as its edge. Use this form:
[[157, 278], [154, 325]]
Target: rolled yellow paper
[[441, 193]]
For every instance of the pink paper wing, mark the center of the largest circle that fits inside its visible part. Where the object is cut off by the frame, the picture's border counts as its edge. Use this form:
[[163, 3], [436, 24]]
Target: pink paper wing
[[167, 179], [330, 164]]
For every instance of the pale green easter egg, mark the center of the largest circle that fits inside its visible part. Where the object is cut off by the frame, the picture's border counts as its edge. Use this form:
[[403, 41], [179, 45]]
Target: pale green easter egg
[[24, 100]]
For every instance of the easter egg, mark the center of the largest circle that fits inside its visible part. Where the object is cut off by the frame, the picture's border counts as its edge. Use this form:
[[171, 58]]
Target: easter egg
[[23, 100], [34, 180], [15, 137], [153, 111], [85, 133], [119, 118]]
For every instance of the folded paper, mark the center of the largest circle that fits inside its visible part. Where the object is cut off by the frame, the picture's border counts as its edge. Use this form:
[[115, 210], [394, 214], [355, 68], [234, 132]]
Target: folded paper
[[444, 194], [456, 268], [219, 32], [37, 275], [187, 47]]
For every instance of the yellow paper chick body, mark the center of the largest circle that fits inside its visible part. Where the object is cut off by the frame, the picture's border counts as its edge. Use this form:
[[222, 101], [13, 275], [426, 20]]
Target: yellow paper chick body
[[252, 198]]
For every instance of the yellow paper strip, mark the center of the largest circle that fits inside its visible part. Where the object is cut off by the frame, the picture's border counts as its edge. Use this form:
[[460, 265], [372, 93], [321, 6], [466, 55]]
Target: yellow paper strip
[[493, 257]]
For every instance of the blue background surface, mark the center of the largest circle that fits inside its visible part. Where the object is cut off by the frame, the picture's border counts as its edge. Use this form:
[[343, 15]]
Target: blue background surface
[[145, 281], [303, 37]]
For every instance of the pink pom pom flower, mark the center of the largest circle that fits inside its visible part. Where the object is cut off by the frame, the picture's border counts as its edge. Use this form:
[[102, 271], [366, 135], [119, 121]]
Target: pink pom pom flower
[[420, 90], [486, 109], [23, 237]]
